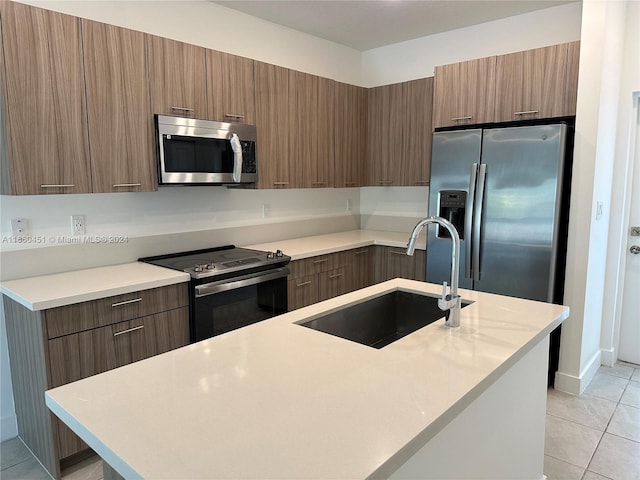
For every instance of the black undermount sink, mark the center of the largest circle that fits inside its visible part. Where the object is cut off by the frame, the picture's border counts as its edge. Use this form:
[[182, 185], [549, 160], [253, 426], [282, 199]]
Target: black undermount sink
[[381, 320]]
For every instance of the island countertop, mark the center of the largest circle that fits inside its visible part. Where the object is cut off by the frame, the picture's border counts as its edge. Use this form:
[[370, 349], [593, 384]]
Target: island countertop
[[277, 400]]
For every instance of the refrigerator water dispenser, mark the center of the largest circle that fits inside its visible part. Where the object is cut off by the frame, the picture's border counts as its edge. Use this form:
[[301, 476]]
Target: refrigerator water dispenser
[[452, 207]]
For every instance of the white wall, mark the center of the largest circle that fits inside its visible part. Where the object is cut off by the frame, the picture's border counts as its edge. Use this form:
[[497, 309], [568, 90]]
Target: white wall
[[417, 58]]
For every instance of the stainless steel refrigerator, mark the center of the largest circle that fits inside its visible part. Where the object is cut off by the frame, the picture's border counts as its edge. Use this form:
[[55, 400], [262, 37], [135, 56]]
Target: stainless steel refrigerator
[[503, 190]]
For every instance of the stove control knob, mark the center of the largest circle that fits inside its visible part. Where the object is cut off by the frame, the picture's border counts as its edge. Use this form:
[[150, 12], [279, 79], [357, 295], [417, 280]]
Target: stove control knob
[[270, 255], [198, 268], [210, 266], [279, 253]]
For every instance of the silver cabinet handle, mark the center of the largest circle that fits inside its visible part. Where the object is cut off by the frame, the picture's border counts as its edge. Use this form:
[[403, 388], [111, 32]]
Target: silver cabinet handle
[[184, 109], [635, 249], [385, 182], [126, 302], [121, 185], [303, 283], [322, 260], [129, 330], [395, 252], [361, 252], [349, 184], [233, 115], [525, 112], [423, 182], [62, 185], [336, 275], [281, 183], [455, 119], [318, 183]]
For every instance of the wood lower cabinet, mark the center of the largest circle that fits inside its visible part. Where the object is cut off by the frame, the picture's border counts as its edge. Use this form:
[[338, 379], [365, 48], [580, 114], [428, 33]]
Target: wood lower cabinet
[[464, 93], [393, 262], [45, 106], [177, 77], [350, 135], [230, 88], [61, 345], [118, 109]]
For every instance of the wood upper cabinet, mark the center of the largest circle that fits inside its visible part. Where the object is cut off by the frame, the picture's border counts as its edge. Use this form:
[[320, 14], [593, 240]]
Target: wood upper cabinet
[[464, 93], [272, 122], [118, 109], [350, 134], [230, 88], [532, 84], [417, 129], [311, 130], [387, 105], [177, 77], [571, 84], [45, 109]]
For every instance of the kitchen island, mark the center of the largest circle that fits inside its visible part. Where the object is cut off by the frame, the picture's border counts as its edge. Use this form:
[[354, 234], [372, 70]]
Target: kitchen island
[[278, 400]]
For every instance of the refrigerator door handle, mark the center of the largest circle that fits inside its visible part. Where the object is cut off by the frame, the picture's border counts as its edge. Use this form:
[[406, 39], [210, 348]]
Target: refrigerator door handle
[[477, 221], [468, 220]]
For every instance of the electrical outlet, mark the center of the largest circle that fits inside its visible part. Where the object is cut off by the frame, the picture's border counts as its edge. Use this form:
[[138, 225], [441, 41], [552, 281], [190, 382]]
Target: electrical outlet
[[19, 227], [77, 225]]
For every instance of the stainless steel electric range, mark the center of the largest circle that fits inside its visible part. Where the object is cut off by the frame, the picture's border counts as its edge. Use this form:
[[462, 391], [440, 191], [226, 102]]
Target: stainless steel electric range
[[230, 287]]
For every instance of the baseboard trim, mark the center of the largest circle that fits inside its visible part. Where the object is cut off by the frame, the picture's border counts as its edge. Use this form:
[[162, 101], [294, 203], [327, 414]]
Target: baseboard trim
[[608, 357], [577, 385], [8, 427]]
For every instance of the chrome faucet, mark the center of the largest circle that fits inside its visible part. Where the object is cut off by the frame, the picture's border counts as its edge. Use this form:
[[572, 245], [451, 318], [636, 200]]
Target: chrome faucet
[[450, 303]]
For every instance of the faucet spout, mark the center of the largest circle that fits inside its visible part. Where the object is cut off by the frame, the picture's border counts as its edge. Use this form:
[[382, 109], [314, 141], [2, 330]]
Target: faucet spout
[[451, 302]]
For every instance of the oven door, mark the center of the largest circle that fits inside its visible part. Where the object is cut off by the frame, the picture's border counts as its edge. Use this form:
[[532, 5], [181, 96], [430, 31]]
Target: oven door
[[226, 305]]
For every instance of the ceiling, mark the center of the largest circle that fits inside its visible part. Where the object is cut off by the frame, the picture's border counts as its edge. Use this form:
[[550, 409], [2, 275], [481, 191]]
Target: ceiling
[[367, 24]]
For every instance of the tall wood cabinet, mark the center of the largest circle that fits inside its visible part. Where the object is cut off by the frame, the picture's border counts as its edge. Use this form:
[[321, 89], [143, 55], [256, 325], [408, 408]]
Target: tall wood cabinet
[[177, 77], [275, 168], [464, 93], [350, 134], [118, 109], [399, 133], [45, 107], [230, 88]]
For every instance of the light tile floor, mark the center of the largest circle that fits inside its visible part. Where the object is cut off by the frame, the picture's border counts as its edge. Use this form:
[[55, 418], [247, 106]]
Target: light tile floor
[[595, 436]]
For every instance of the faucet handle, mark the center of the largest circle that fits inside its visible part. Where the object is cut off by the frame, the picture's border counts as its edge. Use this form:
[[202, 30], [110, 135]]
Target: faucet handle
[[444, 291]]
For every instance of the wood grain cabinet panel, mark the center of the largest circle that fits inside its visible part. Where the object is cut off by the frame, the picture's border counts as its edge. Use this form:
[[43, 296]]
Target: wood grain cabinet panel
[[275, 167], [417, 128], [332, 284], [359, 268], [387, 105], [230, 88], [302, 291], [350, 135], [119, 109], [571, 84], [464, 93], [177, 77], [393, 262], [531, 84], [45, 107]]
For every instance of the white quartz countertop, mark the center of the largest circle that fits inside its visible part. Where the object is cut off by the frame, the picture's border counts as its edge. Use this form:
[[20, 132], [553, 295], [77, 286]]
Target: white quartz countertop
[[298, 248], [278, 400], [59, 289]]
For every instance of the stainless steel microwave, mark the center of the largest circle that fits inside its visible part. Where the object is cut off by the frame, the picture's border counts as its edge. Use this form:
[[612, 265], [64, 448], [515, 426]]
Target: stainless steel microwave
[[203, 152]]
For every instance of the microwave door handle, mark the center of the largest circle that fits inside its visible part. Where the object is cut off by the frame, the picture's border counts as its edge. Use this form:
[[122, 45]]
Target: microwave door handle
[[237, 157]]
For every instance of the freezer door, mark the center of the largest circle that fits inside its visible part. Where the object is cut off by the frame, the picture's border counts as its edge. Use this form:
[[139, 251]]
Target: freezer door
[[453, 154], [520, 211]]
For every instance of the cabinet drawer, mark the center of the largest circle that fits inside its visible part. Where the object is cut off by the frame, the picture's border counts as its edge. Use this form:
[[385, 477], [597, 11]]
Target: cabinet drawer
[[317, 264], [302, 291], [106, 311]]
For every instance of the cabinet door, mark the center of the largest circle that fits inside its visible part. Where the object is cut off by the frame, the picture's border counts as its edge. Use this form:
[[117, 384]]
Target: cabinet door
[[272, 122], [417, 132], [464, 93], [118, 109], [531, 83], [231, 90], [177, 77], [302, 291], [359, 268], [571, 80], [45, 109], [166, 331], [392, 262], [350, 103], [332, 283], [385, 135]]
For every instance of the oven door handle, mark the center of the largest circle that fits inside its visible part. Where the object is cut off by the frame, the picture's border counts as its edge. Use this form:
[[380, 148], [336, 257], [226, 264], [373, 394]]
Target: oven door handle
[[239, 282]]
